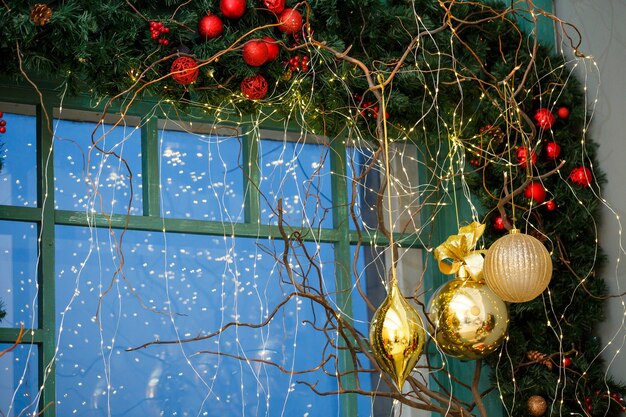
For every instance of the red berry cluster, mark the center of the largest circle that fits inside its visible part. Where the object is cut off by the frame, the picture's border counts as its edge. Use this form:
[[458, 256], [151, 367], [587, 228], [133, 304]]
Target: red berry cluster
[[3, 123], [158, 32], [615, 397], [298, 63]]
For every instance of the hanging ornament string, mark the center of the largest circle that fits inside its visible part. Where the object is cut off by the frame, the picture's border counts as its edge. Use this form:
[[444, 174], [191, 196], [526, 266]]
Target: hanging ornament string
[[381, 81]]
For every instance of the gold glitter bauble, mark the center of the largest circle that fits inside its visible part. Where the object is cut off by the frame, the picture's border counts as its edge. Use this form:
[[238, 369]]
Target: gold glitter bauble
[[470, 320], [517, 267], [537, 406], [397, 336], [40, 14]]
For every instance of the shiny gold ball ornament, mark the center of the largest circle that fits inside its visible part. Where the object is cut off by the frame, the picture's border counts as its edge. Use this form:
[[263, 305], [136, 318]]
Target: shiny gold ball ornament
[[537, 406], [470, 321], [517, 267], [397, 336]]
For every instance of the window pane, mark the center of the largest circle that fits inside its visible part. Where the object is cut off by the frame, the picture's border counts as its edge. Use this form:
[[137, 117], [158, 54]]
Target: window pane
[[18, 263], [366, 189], [299, 174], [185, 286], [19, 383], [18, 176], [201, 176], [87, 178]]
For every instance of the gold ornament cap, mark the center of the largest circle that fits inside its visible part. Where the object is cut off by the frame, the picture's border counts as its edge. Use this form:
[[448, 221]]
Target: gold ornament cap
[[397, 336]]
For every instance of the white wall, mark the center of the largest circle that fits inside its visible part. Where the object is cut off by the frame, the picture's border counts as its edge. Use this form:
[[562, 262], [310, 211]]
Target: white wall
[[601, 24]]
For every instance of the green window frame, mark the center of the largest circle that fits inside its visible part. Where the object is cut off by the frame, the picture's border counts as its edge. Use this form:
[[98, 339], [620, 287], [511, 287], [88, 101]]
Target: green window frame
[[47, 217]]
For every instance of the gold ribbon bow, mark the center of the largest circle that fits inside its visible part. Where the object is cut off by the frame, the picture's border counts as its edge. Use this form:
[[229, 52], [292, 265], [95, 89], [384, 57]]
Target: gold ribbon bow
[[457, 255]]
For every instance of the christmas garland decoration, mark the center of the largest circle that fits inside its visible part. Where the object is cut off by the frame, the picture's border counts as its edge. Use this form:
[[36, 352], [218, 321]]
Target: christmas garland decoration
[[507, 103]]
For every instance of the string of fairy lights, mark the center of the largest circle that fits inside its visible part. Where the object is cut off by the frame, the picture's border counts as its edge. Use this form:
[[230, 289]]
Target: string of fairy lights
[[446, 178]]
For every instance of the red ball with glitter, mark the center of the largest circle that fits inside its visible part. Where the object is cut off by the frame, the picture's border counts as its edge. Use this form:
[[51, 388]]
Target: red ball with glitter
[[581, 176], [276, 6], [536, 192], [550, 205], [290, 21], [563, 112], [233, 9], [522, 155], [210, 27], [544, 118], [254, 87], [184, 70], [553, 150], [255, 52], [272, 48]]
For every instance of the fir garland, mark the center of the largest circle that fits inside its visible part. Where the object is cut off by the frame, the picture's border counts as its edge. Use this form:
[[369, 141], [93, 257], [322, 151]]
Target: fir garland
[[106, 48]]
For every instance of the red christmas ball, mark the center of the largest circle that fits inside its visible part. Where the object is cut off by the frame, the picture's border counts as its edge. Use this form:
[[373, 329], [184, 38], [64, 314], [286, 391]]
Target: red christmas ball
[[498, 223], [255, 52], [563, 112], [272, 48], [544, 118], [290, 21], [210, 27], [276, 6], [553, 150], [522, 156], [536, 191], [233, 9], [184, 70], [254, 87], [550, 205], [581, 176]]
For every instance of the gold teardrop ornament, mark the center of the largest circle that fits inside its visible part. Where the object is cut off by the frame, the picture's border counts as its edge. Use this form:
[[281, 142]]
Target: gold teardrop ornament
[[470, 321], [397, 336]]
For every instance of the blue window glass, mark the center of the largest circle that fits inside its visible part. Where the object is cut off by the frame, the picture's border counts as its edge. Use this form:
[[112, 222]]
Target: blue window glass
[[176, 286], [97, 179], [18, 263], [201, 176], [364, 184], [18, 385], [18, 150], [299, 174]]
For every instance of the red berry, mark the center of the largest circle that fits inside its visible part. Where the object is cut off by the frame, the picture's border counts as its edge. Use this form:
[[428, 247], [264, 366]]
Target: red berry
[[563, 112], [158, 24], [1, 114], [3, 122], [155, 35], [152, 23], [567, 361], [166, 42], [166, 30], [588, 400], [589, 408], [3, 129], [551, 205]]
